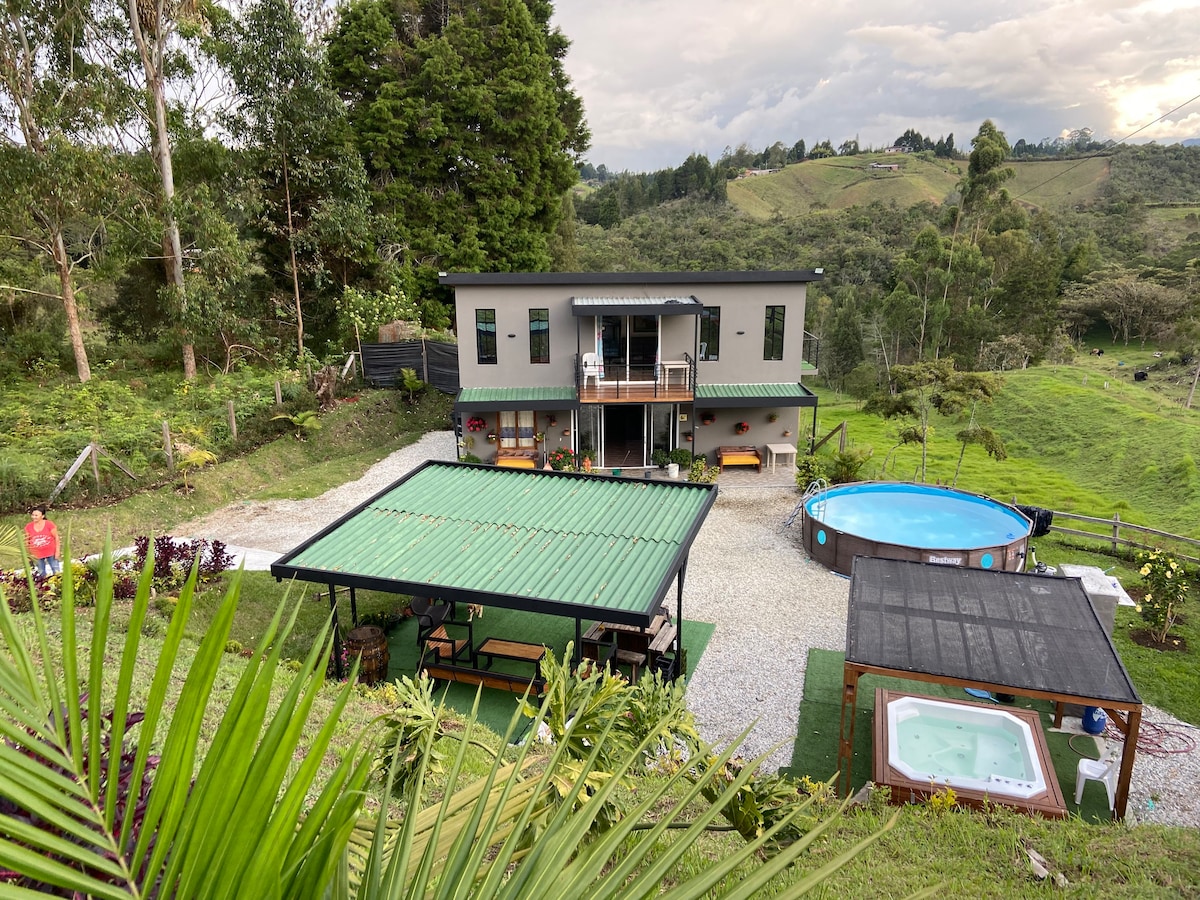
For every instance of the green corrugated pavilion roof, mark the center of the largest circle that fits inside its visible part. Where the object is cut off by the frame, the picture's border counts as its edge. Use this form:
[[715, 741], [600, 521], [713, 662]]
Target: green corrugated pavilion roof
[[562, 543], [790, 393], [484, 398]]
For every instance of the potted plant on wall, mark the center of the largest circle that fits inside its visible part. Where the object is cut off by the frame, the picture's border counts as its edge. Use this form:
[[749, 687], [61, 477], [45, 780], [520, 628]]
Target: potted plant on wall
[[741, 427], [772, 417], [707, 418]]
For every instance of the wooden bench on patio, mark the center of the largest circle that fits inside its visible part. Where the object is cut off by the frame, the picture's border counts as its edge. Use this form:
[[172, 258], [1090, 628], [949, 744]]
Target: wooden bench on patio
[[739, 456], [523, 458]]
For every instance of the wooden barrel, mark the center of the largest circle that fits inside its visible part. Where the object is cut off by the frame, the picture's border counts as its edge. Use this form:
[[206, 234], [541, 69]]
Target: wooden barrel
[[370, 643]]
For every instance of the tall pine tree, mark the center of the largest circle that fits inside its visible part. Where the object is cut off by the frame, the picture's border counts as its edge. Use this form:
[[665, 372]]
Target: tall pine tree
[[460, 121]]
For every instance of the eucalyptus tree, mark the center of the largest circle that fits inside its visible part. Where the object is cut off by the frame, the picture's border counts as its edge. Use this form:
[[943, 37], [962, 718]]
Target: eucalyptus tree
[[982, 188], [311, 184], [459, 119], [60, 188], [153, 26]]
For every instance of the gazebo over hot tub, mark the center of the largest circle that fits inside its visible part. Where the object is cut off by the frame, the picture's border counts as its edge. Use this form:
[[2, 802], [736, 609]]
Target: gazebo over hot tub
[[1004, 632]]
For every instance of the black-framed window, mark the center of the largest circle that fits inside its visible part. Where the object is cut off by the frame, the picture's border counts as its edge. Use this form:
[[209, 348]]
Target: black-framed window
[[710, 333], [539, 336], [485, 336], [773, 333]]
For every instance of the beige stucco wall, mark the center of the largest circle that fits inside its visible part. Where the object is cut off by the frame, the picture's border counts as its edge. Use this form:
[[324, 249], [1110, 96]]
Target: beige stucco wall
[[743, 312]]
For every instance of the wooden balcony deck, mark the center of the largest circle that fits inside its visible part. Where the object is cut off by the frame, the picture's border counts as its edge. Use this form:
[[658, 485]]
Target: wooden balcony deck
[[635, 392]]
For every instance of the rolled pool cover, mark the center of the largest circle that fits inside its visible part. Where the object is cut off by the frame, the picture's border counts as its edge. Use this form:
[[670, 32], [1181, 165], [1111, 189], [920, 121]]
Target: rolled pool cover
[[1041, 519]]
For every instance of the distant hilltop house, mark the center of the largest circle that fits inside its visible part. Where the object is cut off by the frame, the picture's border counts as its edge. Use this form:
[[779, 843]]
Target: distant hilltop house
[[749, 173], [895, 167], [616, 367], [895, 149]]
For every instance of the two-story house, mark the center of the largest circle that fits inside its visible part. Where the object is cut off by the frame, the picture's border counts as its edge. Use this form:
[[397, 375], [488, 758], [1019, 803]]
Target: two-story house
[[615, 366]]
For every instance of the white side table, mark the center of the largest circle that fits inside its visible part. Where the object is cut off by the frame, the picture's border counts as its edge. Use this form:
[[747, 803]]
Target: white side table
[[784, 450]]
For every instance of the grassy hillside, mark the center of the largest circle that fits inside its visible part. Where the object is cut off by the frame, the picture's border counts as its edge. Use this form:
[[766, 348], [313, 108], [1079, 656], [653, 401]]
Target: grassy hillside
[[1073, 444], [845, 181], [1058, 183]]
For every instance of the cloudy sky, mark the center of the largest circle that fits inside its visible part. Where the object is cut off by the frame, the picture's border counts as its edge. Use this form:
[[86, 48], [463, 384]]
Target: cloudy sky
[[664, 78]]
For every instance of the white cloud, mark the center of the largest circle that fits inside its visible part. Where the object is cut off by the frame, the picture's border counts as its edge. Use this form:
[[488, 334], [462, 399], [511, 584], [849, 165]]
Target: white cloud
[[663, 78]]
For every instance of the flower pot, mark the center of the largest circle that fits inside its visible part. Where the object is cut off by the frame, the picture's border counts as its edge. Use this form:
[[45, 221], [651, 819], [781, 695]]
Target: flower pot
[[672, 470]]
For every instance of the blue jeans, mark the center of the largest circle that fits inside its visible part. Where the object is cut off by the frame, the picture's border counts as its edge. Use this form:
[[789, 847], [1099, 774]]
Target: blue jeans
[[49, 565]]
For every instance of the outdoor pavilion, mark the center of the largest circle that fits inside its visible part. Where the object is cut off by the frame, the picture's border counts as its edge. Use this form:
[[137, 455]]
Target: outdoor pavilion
[[1004, 632], [560, 543]]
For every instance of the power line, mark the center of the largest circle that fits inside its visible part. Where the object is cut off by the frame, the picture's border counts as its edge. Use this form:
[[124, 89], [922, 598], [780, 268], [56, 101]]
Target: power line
[[1109, 144]]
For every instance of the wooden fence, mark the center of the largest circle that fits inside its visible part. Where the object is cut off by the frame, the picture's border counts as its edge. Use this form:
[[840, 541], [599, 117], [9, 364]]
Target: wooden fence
[[1112, 535]]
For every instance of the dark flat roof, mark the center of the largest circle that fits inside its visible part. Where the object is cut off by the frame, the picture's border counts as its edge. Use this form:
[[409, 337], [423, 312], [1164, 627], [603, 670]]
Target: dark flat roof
[[1024, 631], [630, 278]]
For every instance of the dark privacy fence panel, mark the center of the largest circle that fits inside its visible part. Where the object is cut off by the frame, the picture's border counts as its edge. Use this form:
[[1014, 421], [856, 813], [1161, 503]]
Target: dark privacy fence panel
[[434, 362]]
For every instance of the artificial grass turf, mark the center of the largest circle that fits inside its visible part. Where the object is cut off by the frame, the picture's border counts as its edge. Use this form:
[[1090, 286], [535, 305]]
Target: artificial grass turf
[[816, 749], [496, 706]]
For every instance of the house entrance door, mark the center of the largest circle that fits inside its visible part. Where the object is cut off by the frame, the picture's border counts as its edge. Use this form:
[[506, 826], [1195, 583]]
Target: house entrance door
[[624, 436]]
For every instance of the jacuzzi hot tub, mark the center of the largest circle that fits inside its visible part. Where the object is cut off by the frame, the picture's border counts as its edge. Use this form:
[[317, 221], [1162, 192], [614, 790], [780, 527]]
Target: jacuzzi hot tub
[[985, 753], [979, 748]]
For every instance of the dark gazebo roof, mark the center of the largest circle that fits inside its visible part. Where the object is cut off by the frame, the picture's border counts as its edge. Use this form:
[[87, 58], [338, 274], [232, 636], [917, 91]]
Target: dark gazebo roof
[[1025, 631]]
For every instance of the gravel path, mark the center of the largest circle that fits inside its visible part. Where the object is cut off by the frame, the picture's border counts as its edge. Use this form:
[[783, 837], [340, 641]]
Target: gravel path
[[748, 575]]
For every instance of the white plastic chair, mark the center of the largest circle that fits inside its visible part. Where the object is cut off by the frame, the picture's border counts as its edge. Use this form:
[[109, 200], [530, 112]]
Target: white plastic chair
[[1102, 770], [592, 368]]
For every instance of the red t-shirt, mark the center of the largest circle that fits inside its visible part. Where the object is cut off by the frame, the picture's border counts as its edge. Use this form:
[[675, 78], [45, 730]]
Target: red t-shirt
[[44, 543]]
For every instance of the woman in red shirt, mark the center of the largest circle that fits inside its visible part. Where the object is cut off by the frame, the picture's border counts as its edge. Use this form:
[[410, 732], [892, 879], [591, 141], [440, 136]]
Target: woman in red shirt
[[41, 537]]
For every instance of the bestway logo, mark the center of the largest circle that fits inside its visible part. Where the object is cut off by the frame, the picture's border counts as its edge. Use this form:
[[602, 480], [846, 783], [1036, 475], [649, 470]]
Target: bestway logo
[[946, 560]]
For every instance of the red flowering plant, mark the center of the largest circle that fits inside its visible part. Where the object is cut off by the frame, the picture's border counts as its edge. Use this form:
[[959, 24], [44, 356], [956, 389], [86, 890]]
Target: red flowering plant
[[563, 459], [475, 423], [741, 427]]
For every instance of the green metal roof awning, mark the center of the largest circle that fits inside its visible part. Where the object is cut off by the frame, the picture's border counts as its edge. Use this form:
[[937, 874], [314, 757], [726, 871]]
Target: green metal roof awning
[[636, 306], [486, 398], [560, 543], [789, 393]]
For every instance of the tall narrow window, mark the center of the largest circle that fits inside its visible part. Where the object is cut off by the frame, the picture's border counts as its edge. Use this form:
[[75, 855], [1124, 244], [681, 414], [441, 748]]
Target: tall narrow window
[[773, 335], [710, 333], [485, 336], [539, 336]]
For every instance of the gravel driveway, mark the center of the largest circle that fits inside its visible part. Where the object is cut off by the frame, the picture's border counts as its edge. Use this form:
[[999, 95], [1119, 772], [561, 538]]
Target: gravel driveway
[[749, 576]]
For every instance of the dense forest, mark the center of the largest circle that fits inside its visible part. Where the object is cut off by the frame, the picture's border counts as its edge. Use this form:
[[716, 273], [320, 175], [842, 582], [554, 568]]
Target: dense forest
[[195, 188]]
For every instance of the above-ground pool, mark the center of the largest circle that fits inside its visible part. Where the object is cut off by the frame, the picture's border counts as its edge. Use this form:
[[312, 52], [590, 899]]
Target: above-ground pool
[[912, 522], [985, 754]]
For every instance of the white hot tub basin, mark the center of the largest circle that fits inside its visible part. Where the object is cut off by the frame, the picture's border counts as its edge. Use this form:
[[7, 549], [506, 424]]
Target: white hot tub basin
[[965, 747]]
